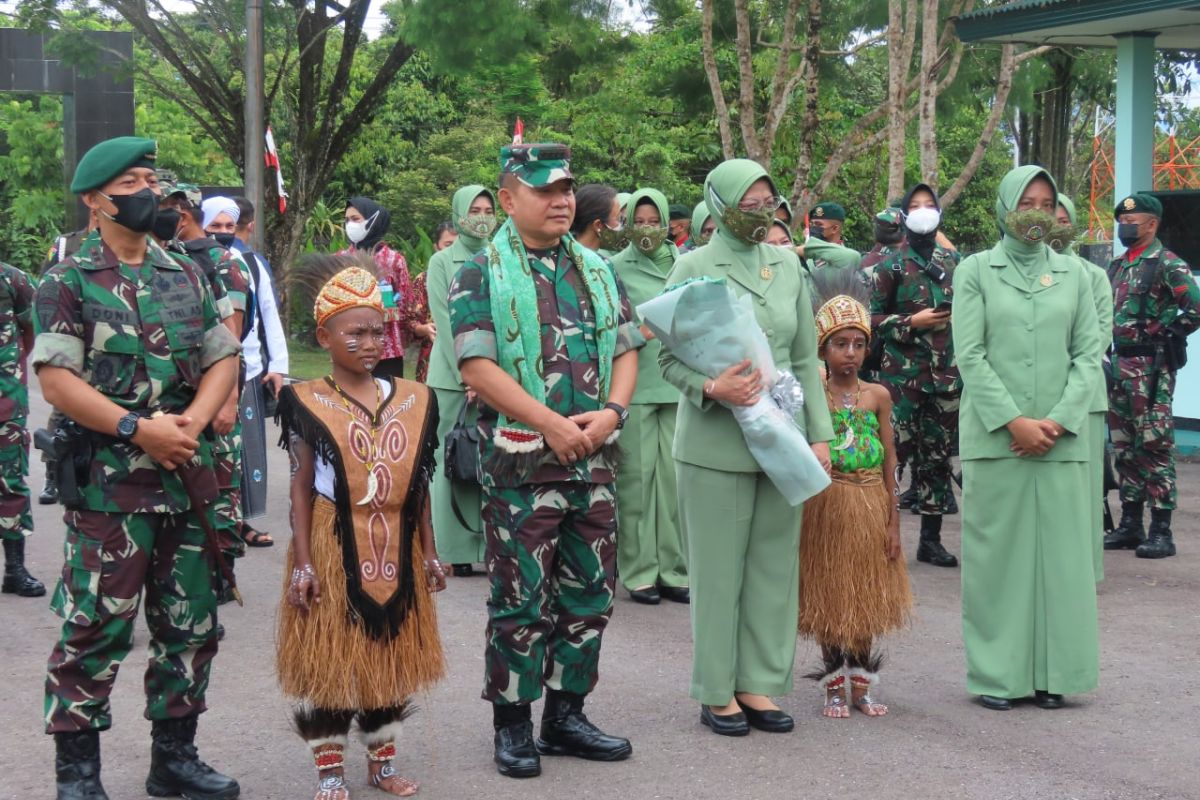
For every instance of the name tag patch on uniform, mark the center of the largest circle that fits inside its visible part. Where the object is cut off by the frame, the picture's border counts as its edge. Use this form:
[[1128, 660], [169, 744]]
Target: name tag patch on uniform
[[97, 312]]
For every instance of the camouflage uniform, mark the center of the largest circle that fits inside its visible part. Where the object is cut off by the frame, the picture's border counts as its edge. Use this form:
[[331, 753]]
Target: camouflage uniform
[[1143, 428], [875, 256], [16, 308], [142, 336], [919, 370], [550, 532]]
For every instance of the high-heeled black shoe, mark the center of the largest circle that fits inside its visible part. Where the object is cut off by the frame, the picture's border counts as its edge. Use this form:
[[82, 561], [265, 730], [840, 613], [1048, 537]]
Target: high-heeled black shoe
[[724, 724], [770, 721]]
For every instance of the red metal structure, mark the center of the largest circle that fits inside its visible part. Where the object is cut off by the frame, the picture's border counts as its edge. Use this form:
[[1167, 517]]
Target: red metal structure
[[1176, 168]]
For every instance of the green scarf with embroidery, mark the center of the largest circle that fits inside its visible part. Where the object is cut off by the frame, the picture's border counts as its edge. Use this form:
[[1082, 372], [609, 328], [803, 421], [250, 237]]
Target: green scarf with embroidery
[[515, 310]]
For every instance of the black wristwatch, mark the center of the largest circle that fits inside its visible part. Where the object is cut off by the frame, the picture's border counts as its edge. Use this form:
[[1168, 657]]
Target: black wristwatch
[[127, 427], [622, 413]]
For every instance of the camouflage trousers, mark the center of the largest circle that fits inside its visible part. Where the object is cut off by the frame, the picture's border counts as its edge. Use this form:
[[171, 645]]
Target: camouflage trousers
[[926, 436], [16, 519], [109, 560], [1143, 437], [551, 553], [227, 464]]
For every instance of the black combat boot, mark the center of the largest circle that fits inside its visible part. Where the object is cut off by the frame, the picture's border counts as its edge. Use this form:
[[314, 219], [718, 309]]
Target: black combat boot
[[1129, 533], [1158, 542], [49, 495], [567, 732], [17, 579], [930, 549], [77, 766], [516, 756], [176, 769]]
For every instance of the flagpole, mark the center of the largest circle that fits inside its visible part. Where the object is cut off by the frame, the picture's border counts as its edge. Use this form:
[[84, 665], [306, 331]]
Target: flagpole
[[254, 123]]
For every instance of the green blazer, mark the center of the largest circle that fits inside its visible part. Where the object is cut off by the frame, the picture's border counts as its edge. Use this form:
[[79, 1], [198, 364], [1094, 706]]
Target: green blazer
[[706, 434], [1102, 294], [643, 280], [1024, 348], [443, 365]]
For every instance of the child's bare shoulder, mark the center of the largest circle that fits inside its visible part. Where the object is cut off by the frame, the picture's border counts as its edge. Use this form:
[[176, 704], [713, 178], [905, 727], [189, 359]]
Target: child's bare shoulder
[[878, 394]]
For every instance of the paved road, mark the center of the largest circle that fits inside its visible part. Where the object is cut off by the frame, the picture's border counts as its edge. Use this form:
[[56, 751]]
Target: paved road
[[1133, 738]]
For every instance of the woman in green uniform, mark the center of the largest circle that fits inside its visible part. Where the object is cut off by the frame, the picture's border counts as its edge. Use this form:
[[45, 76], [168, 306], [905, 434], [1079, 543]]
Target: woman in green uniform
[[1098, 409], [650, 556], [1028, 348], [456, 522], [742, 537], [597, 224]]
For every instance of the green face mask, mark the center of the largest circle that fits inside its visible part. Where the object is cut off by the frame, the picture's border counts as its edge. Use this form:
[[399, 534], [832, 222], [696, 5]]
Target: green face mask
[[1032, 225], [648, 238], [751, 227], [612, 239], [480, 226], [1060, 237]]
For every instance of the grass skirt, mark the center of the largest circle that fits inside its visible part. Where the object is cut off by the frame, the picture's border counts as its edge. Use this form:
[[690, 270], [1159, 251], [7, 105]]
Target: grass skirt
[[325, 658], [850, 592]]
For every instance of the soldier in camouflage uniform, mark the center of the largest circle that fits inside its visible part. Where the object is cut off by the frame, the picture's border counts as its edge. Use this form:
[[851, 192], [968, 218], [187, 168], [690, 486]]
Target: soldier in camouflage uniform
[[130, 347], [889, 237], [1156, 305], [910, 311], [16, 339], [554, 400]]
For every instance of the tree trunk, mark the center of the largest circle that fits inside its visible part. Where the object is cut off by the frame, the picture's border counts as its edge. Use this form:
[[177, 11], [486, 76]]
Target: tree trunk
[[928, 102]]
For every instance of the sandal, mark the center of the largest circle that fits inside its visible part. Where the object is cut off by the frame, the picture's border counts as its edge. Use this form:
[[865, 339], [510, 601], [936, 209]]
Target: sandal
[[254, 538], [861, 682], [834, 685]]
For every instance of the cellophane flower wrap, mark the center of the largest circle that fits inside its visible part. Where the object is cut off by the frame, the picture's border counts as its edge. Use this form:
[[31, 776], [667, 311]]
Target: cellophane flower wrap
[[705, 325]]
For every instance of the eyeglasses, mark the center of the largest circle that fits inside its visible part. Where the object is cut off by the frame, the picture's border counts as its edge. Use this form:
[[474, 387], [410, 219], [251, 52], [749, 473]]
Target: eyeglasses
[[760, 204]]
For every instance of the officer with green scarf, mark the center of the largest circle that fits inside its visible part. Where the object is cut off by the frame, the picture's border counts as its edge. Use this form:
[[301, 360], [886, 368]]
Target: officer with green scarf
[[1028, 348], [455, 504], [1061, 238], [743, 539], [545, 335], [650, 557]]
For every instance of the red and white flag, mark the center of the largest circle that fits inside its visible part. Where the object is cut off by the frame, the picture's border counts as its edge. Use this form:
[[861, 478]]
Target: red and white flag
[[519, 132], [272, 158]]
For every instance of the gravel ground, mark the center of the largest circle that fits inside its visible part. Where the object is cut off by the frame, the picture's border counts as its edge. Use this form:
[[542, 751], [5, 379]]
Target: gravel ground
[[1135, 737]]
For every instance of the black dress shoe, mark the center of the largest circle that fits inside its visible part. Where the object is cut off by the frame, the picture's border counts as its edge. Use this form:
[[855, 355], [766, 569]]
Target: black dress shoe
[[995, 703], [516, 756], [725, 724], [676, 594], [566, 731], [462, 570], [771, 721], [648, 596], [1048, 699]]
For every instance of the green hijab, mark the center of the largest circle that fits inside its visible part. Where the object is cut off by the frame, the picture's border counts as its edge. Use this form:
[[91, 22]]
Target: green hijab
[[700, 216], [1028, 257], [460, 206], [663, 257], [1069, 205], [730, 179]]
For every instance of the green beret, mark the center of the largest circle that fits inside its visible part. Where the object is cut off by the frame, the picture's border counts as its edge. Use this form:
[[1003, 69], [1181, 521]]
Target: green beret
[[828, 211], [1139, 203], [679, 211], [889, 216], [110, 158], [536, 164]]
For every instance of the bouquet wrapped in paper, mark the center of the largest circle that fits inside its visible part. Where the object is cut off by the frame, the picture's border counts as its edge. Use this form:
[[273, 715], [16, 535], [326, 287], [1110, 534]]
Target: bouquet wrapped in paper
[[704, 324]]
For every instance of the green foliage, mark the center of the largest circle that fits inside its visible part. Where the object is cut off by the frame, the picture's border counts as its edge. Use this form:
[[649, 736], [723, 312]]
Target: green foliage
[[32, 207]]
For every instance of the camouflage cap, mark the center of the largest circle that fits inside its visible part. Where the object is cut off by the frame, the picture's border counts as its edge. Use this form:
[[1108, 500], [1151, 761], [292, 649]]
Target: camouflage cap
[[1139, 203], [110, 158], [536, 164], [828, 211], [890, 216], [170, 184]]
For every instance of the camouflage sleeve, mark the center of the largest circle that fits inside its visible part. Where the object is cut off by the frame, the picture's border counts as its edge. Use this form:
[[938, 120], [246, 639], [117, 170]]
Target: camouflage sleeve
[[234, 277], [471, 312], [629, 336], [22, 297], [883, 322], [1179, 278], [218, 342], [58, 321]]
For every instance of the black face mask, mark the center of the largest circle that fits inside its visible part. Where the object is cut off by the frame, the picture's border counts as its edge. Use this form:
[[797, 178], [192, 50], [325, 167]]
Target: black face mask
[[888, 233], [1127, 233], [135, 211], [224, 239], [166, 223], [817, 231]]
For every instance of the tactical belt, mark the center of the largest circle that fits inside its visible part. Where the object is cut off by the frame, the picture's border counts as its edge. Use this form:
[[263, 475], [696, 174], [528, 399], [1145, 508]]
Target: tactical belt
[[1136, 350]]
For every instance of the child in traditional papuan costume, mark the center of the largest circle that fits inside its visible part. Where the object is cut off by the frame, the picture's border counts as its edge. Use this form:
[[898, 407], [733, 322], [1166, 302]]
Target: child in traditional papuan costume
[[854, 584], [358, 633]]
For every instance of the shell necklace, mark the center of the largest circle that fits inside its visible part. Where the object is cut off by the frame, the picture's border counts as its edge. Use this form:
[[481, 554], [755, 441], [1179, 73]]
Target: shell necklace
[[372, 461], [849, 400]]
